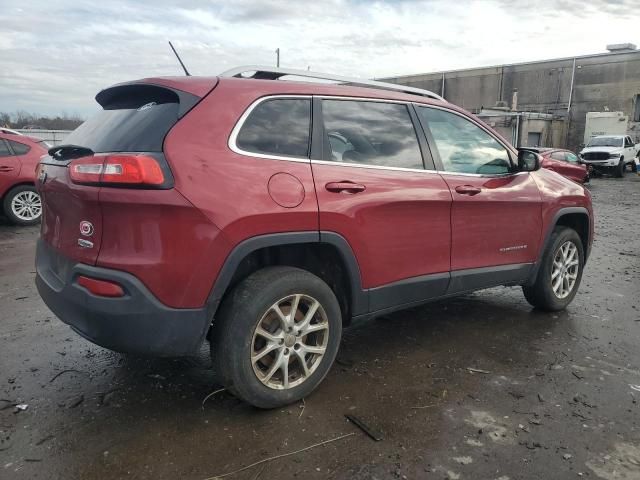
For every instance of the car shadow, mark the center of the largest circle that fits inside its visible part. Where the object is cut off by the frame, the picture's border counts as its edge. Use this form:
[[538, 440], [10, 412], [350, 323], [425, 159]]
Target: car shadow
[[489, 330], [426, 356]]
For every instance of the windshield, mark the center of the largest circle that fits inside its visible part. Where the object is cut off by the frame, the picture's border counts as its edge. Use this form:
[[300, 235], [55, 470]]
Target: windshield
[[605, 142]]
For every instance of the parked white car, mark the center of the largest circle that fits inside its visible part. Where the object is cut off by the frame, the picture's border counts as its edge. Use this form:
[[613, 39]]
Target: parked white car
[[610, 153]]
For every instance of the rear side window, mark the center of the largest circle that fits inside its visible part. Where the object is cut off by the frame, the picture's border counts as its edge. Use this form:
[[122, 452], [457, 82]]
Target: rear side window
[[277, 127], [4, 149], [135, 118], [371, 133], [463, 146], [558, 156], [19, 148]]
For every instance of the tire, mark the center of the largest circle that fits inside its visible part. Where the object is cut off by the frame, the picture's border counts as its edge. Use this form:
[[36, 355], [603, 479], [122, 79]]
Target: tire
[[236, 338], [542, 294], [22, 205], [619, 170]]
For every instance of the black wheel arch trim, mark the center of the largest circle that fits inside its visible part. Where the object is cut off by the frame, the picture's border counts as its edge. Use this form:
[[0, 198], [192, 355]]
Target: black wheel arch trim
[[547, 236], [359, 297]]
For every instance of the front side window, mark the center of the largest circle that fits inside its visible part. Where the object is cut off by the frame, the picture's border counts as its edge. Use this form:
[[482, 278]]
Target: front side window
[[371, 133], [277, 127], [571, 157], [19, 148], [463, 146], [628, 142], [4, 149]]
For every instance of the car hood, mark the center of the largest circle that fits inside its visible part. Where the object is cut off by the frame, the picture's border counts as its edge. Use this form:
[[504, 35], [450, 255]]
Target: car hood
[[602, 149]]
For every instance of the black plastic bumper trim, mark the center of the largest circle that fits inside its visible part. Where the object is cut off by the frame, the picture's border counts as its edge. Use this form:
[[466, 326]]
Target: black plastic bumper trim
[[136, 323]]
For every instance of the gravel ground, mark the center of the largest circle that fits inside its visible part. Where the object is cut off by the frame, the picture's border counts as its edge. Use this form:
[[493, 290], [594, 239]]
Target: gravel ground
[[478, 387]]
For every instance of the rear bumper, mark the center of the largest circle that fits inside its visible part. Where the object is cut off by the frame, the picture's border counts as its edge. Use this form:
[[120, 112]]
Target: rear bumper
[[135, 323]]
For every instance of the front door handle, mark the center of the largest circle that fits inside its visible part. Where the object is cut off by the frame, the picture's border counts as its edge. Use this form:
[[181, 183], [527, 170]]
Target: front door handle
[[468, 190], [4, 168], [346, 187]]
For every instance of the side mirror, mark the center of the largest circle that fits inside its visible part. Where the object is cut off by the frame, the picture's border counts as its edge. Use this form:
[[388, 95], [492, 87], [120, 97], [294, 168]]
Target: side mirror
[[528, 161]]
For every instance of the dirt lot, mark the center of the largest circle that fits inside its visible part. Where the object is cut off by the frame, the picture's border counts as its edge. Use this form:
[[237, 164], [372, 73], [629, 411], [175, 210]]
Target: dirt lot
[[551, 396]]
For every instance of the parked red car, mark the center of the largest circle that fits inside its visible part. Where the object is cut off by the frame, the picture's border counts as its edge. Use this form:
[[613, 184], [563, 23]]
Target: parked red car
[[19, 156], [565, 162], [265, 215]]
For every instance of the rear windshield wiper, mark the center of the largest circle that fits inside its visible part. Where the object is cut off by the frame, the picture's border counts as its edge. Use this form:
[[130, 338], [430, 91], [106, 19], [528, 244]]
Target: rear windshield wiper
[[69, 152]]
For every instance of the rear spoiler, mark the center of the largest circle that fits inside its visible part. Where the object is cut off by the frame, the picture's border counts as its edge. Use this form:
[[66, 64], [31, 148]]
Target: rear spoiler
[[187, 91], [69, 152]]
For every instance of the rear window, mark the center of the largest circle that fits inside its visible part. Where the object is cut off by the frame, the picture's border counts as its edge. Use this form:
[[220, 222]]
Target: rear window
[[277, 127], [135, 118], [19, 148]]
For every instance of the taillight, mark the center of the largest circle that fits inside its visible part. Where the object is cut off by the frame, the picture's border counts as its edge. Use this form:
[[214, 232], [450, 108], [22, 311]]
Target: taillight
[[101, 288], [124, 169], [86, 170]]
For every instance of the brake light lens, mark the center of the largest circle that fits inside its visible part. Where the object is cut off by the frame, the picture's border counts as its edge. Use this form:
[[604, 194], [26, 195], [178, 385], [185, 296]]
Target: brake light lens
[[86, 170], [101, 288], [124, 169]]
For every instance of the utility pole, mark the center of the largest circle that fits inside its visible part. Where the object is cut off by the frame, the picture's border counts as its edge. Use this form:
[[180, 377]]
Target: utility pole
[[278, 57]]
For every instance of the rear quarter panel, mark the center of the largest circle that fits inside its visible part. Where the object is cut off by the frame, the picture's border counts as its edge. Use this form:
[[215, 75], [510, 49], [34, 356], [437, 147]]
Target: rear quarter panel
[[165, 242], [231, 190]]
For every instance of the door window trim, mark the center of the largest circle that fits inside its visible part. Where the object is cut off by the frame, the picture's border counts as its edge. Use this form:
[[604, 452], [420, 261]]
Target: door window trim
[[436, 155], [233, 137], [420, 130], [317, 129], [320, 133]]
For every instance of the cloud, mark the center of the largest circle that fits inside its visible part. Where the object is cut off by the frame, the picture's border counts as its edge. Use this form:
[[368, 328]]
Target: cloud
[[57, 55]]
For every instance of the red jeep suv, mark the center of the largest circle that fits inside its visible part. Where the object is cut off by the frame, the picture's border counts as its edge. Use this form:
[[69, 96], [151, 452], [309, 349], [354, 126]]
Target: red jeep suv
[[264, 215]]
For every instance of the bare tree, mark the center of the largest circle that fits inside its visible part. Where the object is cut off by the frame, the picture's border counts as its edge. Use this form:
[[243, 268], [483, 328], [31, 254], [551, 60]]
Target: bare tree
[[23, 119]]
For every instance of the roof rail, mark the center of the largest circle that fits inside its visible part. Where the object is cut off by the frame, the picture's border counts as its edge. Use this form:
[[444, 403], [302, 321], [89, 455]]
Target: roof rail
[[270, 73]]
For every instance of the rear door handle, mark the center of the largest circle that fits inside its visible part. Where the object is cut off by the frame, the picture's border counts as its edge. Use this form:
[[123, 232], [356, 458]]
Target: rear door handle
[[346, 187], [4, 168], [468, 190]]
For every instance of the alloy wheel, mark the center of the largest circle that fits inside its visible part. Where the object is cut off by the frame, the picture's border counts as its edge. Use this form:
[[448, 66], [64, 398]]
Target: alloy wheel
[[565, 269], [26, 206], [289, 341]]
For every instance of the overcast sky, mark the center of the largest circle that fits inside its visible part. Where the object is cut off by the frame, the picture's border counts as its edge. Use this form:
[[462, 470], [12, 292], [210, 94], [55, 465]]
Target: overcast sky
[[56, 55]]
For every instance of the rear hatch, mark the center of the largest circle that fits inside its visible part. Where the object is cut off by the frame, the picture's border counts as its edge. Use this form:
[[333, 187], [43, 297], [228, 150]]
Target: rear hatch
[[119, 147]]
